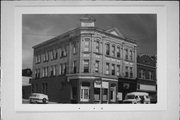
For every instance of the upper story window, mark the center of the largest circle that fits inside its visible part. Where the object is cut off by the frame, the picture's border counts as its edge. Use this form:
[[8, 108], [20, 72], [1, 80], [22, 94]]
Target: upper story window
[[87, 45], [113, 69], [126, 71], [45, 72], [131, 72], [150, 76], [75, 66], [86, 66], [107, 68], [141, 74], [131, 55], [107, 49], [53, 70], [118, 52], [97, 66], [118, 70], [46, 57], [63, 51], [74, 48], [113, 50], [38, 59], [97, 46], [126, 54], [53, 54], [37, 73]]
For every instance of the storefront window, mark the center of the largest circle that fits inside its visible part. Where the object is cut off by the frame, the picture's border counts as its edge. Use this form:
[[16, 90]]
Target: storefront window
[[105, 94], [97, 94]]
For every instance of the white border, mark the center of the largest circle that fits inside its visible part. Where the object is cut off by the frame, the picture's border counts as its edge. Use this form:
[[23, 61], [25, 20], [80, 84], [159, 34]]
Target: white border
[[105, 8]]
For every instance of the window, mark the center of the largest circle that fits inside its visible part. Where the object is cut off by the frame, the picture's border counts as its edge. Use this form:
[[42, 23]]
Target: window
[[97, 94], [107, 49], [63, 51], [97, 46], [37, 73], [54, 70], [51, 55], [46, 57], [113, 50], [38, 59], [97, 66], [150, 75], [126, 54], [45, 72], [118, 52], [60, 69], [64, 68], [105, 94], [74, 48], [113, 69], [118, 70], [131, 72], [74, 66], [141, 74], [51, 71], [54, 54], [126, 71], [107, 68], [86, 44], [86, 66], [131, 55]]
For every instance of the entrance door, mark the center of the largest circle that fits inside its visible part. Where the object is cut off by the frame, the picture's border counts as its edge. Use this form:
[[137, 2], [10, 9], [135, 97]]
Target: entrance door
[[113, 94], [84, 94]]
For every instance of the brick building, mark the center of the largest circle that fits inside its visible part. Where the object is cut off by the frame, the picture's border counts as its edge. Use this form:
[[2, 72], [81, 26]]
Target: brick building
[[84, 65], [146, 73]]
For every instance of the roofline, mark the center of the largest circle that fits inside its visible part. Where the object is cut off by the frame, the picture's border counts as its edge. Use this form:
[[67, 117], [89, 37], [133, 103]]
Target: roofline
[[81, 28]]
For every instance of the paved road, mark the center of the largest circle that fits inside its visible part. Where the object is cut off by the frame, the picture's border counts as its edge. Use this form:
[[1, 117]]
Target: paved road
[[26, 101]]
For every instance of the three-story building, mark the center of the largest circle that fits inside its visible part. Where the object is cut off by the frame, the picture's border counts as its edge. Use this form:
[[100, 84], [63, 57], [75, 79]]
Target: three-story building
[[83, 65]]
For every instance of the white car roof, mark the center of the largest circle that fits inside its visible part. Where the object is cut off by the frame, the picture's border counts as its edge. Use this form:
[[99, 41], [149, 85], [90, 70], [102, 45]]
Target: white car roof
[[138, 93]]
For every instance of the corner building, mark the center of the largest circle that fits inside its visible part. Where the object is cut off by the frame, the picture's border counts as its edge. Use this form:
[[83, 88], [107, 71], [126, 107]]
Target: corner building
[[83, 65]]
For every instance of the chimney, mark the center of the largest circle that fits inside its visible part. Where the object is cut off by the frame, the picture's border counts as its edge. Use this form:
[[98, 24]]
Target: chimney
[[87, 21]]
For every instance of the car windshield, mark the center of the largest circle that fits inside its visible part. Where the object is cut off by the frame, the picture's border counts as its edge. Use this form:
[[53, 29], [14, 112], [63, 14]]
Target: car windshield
[[35, 95], [130, 97]]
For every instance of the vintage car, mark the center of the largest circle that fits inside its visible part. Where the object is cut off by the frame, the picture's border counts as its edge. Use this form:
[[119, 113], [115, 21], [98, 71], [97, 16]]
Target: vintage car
[[38, 98], [137, 98]]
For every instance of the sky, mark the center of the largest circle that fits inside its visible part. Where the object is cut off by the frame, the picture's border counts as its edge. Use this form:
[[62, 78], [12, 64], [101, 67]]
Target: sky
[[37, 28]]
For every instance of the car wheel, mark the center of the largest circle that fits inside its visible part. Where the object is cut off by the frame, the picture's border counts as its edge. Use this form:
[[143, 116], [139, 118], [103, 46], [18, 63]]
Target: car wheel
[[44, 100]]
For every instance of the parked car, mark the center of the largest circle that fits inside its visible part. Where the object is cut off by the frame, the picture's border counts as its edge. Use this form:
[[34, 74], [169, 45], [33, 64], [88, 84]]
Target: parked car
[[38, 98], [137, 98]]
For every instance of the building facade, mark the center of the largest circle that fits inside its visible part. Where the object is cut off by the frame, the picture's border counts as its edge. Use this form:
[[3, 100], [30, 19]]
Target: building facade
[[146, 73], [83, 65]]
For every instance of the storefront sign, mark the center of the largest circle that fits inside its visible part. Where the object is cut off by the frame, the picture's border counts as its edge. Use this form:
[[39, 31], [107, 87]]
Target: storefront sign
[[105, 84], [148, 87], [97, 84]]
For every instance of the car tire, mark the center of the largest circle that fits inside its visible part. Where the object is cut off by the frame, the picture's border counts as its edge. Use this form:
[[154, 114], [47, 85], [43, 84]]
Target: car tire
[[44, 100]]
